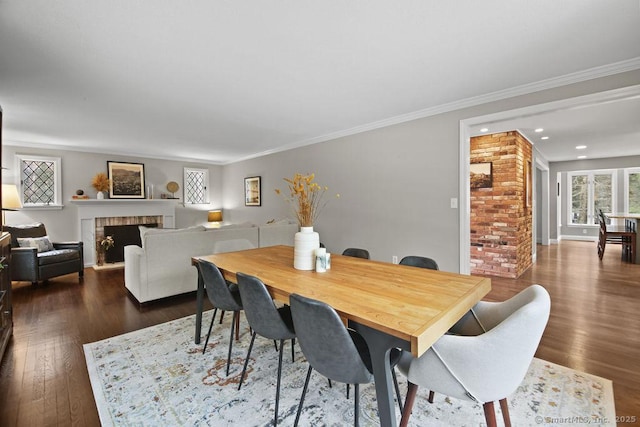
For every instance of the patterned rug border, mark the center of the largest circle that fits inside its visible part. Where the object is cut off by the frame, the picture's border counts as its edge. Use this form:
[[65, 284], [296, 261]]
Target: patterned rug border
[[106, 417]]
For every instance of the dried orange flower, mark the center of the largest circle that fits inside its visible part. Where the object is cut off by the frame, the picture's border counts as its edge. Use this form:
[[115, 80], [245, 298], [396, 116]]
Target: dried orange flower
[[305, 197]]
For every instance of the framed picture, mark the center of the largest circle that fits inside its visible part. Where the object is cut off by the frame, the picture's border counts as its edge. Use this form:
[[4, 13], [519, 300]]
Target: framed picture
[[252, 191], [481, 175], [527, 184], [126, 180]]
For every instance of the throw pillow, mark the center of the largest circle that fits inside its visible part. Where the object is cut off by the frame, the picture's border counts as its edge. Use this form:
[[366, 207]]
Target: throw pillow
[[42, 244]]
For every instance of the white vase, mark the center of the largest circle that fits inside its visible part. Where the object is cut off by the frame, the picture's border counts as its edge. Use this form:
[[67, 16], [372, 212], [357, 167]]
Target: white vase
[[100, 195], [304, 249]]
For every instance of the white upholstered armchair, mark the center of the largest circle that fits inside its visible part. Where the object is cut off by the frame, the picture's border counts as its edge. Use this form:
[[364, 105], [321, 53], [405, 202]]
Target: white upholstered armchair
[[485, 367]]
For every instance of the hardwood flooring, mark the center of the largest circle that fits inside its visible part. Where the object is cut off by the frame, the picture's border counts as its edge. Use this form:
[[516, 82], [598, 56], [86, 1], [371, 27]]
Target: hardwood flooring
[[594, 324]]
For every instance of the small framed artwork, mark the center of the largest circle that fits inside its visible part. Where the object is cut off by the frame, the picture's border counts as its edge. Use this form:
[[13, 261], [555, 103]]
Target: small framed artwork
[[252, 191], [126, 180], [527, 184], [481, 175]]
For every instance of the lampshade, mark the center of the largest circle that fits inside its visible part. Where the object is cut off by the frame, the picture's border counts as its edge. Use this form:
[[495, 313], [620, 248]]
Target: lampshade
[[10, 197], [214, 216]]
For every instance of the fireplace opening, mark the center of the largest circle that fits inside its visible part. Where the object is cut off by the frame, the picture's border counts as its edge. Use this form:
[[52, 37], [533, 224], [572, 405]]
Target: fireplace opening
[[123, 235]]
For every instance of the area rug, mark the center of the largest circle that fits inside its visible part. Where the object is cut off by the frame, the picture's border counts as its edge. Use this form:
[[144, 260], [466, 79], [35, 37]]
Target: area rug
[[158, 377]]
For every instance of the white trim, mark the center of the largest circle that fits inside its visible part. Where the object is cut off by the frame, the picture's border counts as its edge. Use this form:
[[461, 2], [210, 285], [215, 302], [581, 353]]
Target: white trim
[[57, 180], [627, 172], [206, 180], [591, 214], [579, 238], [577, 77]]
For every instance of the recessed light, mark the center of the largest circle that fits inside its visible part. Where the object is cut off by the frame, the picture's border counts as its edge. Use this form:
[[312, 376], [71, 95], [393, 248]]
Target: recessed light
[[544, 138], [539, 130], [580, 147], [484, 130], [582, 157]]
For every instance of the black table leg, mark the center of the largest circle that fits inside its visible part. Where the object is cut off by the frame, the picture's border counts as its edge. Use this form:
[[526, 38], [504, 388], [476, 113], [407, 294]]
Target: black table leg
[[380, 345], [199, 303]]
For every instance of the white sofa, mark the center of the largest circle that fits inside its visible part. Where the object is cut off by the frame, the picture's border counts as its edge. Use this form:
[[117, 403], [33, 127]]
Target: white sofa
[[162, 266]]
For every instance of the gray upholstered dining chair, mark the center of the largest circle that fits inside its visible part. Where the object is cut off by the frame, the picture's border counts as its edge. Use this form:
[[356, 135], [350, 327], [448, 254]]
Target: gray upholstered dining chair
[[419, 261], [484, 368], [266, 320], [356, 253], [334, 351], [222, 295]]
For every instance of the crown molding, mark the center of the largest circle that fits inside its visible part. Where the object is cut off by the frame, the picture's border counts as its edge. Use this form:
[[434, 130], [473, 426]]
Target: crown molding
[[552, 83]]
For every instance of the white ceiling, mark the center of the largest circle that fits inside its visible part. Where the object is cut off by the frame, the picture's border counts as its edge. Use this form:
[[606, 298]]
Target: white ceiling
[[218, 81]]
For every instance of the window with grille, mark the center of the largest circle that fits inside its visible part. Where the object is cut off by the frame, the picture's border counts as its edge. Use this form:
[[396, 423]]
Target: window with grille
[[39, 181], [196, 186]]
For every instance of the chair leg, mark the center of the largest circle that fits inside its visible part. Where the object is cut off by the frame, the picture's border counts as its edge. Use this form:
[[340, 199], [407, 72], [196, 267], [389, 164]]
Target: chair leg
[[209, 333], [408, 404], [233, 323], [490, 414], [356, 413], [237, 317], [275, 418], [504, 406], [304, 391], [431, 394], [348, 386], [293, 350], [246, 360], [395, 385]]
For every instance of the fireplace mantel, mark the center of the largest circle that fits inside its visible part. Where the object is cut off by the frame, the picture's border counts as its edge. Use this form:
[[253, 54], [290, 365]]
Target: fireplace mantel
[[91, 202], [89, 210]]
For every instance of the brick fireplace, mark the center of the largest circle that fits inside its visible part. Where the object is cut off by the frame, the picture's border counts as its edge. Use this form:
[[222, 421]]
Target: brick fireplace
[[124, 230], [94, 215]]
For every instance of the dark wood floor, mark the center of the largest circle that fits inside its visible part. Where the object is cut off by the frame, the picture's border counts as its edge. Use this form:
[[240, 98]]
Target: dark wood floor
[[594, 327]]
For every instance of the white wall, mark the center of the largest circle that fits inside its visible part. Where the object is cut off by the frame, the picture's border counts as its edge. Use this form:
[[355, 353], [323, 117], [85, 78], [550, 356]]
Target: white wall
[[395, 182], [78, 169]]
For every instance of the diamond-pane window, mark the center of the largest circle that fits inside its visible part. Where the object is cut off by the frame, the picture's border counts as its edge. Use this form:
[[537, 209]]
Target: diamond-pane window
[[196, 185], [39, 179]]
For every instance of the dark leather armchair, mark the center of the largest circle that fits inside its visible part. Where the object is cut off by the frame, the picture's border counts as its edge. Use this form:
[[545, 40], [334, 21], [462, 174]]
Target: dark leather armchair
[[27, 264]]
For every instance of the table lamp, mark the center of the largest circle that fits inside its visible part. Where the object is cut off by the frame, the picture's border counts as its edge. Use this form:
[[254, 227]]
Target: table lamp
[[215, 216], [10, 199]]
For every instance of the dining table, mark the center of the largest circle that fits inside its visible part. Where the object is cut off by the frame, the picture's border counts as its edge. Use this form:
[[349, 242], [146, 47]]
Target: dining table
[[631, 222], [390, 305]]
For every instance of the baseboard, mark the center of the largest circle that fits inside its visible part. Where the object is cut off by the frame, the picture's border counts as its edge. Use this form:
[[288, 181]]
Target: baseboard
[[580, 238]]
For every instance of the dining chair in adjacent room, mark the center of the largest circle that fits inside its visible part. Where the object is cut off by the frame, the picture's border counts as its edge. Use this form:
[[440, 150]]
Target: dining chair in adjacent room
[[356, 253], [487, 367], [336, 352], [222, 295], [266, 320]]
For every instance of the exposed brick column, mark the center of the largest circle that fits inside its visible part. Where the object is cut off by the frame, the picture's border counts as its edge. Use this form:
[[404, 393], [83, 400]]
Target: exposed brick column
[[501, 218]]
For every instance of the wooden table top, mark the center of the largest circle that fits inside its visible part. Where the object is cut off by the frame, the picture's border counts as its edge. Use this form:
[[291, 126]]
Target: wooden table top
[[413, 304]]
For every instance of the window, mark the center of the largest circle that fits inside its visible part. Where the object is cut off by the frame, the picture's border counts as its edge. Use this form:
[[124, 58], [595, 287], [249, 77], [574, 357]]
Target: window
[[590, 191], [196, 186], [632, 190], [39, 181]]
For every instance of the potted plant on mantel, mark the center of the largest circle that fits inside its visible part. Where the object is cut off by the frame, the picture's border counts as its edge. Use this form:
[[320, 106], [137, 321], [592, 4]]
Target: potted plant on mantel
[[100, 183]]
